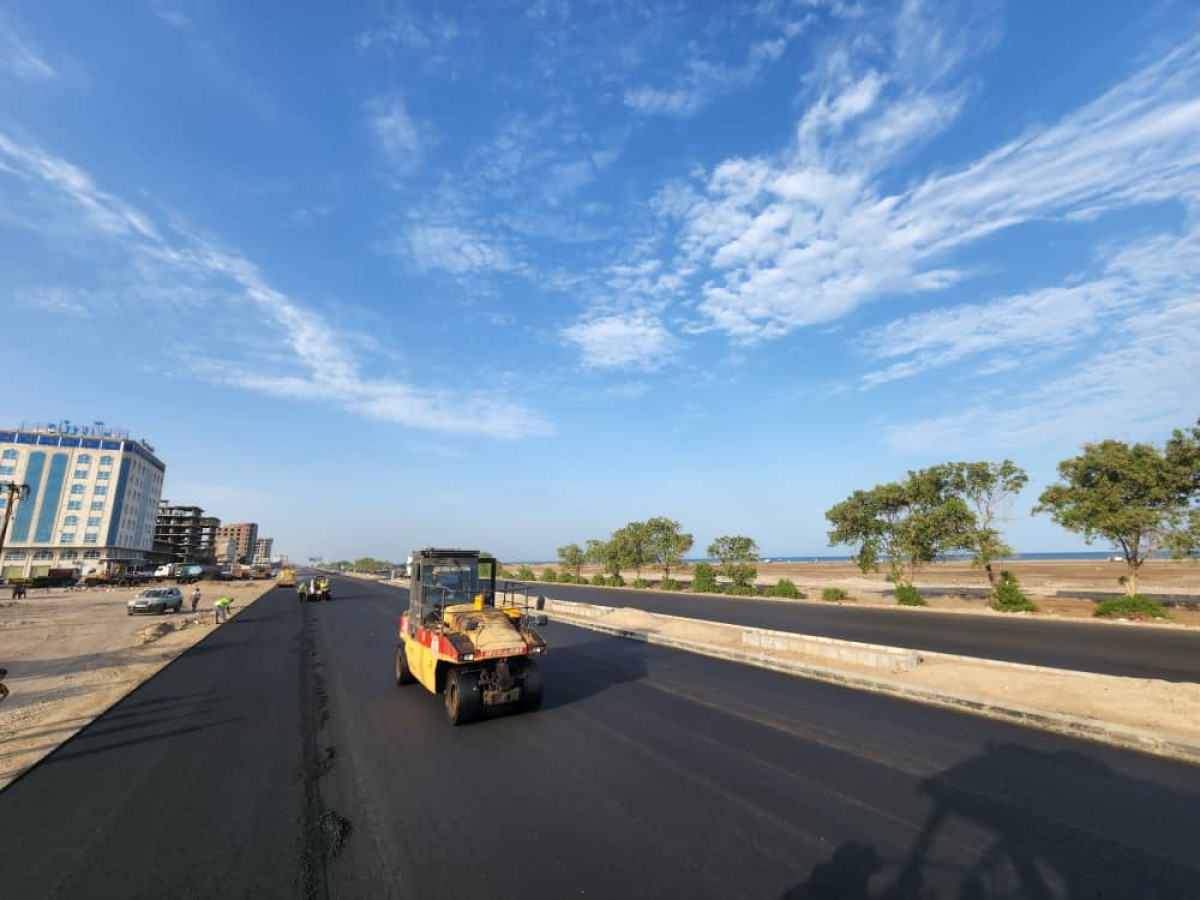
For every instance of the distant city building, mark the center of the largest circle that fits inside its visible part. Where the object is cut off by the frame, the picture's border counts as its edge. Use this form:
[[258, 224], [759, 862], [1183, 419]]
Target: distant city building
[[93, 497], [262, 551], [183, 534], [243, 535]]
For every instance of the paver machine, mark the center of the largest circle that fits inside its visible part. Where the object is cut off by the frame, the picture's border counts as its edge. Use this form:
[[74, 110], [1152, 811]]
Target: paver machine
[[464, 640]]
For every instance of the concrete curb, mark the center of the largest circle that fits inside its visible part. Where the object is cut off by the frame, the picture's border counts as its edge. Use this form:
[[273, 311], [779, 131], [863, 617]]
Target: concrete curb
[[1059, 723]]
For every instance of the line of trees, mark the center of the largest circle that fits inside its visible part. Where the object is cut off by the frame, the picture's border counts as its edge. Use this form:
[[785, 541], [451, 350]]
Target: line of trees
[[659, 545], [1141, 499]]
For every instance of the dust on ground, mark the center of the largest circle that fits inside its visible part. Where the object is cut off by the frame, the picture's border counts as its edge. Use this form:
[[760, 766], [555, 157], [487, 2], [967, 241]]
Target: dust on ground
[[70, 655]]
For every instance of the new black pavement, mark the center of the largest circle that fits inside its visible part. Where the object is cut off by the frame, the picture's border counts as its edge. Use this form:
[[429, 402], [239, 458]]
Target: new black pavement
[[284, 761], [1107, 648]]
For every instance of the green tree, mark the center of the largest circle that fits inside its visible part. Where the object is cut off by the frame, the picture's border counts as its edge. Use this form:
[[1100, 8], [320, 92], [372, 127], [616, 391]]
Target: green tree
[[1133, 495], [370, 564], [571, 557], [635, 543], [909, 523], [988, 489], [613, 555], [667, 545], [1182, 534], [704, 579], [737, 555]]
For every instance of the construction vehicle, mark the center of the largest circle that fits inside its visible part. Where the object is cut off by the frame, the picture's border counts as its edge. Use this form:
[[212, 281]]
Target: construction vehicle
[[461, 639], [286, 577]]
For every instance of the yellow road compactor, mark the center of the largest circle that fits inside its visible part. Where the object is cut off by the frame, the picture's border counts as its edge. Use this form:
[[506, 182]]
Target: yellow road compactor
[[461, 639]]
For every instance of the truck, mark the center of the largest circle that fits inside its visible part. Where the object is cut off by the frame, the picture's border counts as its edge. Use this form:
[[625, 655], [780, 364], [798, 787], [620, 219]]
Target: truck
[[194, 572], [462, 639]]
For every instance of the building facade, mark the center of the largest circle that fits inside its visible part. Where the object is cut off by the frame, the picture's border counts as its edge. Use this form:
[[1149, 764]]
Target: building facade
[[262, 551], [93, 497], [185, 535], [243, 535]]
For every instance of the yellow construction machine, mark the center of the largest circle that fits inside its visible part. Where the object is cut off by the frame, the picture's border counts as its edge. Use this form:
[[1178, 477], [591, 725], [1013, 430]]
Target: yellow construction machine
[[463, 640]]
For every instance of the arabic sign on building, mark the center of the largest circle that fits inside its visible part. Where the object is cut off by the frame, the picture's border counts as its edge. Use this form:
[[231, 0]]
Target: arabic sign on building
[[96, 429]]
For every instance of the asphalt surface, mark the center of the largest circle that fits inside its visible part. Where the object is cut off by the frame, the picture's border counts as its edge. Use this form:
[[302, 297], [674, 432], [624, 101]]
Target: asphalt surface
[[278, 758], [1107, 648]]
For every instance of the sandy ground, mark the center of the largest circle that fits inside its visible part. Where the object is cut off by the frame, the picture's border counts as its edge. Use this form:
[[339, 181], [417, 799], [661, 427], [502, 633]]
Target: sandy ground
[[72, 654]]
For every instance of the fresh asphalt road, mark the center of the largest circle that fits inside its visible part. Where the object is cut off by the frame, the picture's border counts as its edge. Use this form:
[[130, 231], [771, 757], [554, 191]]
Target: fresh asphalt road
[[278, 758], [1172, 654]]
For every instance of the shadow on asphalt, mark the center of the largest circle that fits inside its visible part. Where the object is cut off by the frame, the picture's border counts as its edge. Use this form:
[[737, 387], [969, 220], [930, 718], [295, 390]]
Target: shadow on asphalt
[[574, 672], [1039, 811], [79, 746]]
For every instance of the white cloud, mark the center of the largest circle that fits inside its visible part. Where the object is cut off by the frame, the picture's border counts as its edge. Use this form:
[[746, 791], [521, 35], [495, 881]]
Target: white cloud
[[1135, 333], [22, 59], [705, 81], [454, 249], [164, 265], [395, 132], [810, 237], [636, 341]]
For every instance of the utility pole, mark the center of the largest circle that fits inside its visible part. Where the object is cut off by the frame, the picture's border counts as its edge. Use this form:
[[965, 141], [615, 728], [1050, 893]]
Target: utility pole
[[15, 492]]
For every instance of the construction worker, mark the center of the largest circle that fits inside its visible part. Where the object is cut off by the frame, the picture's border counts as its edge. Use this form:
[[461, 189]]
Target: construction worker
[[221, 609], [302, 590]]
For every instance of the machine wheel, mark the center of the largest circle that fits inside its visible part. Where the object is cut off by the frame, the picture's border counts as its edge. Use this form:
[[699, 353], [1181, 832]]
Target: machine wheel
[[464, 702], [531, 687], [404, 674]]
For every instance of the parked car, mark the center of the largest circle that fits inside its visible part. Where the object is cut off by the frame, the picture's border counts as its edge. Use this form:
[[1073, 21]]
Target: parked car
[[156, 600]]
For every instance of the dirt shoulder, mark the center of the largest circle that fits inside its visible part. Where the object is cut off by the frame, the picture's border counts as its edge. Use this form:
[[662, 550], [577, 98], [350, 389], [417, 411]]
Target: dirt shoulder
[[70, 655]]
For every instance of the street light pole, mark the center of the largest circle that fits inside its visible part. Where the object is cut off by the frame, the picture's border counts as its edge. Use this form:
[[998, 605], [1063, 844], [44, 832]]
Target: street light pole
[[15, 492]]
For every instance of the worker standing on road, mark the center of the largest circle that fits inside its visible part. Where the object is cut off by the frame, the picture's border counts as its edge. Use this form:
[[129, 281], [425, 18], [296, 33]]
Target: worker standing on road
[[195, 598], [221, 609], [302, 590]]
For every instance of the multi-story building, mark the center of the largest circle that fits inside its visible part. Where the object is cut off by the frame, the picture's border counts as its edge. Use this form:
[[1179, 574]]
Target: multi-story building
[[185, 535], [262, 551], [243, 534], [93, 494]]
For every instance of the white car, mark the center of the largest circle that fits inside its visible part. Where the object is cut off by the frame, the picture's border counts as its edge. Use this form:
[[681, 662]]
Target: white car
[[156, 600]]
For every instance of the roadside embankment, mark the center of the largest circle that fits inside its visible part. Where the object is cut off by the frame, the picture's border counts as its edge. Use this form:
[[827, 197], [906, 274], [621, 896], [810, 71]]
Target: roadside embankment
[[1153, 716]]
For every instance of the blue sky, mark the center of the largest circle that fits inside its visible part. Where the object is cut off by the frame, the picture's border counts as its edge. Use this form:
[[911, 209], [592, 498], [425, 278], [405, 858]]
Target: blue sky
[[512, 274]]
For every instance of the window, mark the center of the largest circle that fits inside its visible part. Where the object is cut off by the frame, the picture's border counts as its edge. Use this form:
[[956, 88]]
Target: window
[[106, 460], [100, 491], [9, 454], [67, 537], [83, 458], [92, 554], [43, 554], [15, 554], [77, 489], [97, 504], [103, 476], [8, 470], [80, 473], [93, 521], [74, 504], [89, 538], [68, 554], [70, 520]]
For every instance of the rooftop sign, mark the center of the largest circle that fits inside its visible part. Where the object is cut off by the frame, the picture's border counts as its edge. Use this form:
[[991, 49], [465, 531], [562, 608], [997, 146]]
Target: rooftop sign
[[96, 429]]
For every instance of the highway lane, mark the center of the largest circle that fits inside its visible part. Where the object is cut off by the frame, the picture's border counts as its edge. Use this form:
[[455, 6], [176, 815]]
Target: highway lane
[[1172, 654], [279, 759]]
